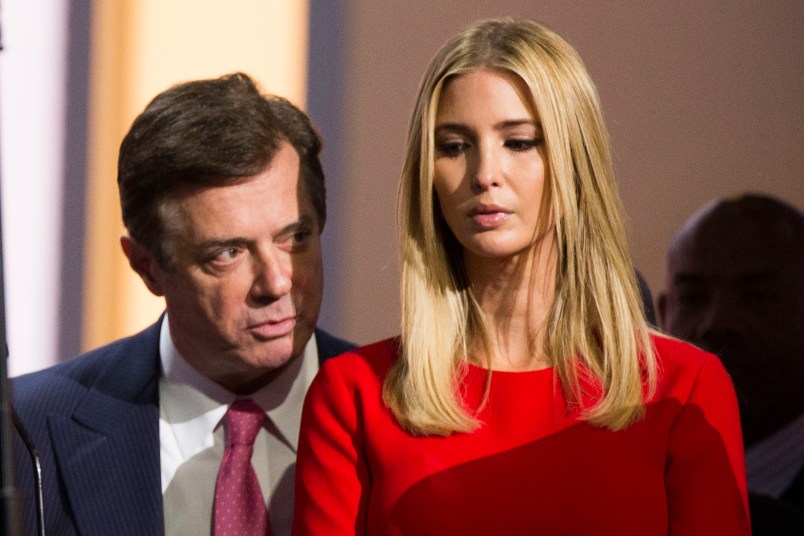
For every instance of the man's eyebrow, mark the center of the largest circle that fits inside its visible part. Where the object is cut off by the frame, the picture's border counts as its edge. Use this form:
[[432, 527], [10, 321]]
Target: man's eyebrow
[[758, 276], [304, 223], [221, 243]]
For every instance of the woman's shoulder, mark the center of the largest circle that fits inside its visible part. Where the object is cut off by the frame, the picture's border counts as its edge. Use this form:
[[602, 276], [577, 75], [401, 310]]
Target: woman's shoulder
[[676, 352], [683, 367], [369, 362]]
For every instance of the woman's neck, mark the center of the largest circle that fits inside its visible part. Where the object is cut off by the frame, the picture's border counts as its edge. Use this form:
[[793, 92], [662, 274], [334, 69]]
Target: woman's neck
[[515, 296]]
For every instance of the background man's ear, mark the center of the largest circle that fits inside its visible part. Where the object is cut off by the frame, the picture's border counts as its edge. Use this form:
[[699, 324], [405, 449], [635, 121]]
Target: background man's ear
[[144, 263]]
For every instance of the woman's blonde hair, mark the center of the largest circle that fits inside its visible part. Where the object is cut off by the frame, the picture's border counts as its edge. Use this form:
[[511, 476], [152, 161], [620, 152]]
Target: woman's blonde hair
[[596, 317]]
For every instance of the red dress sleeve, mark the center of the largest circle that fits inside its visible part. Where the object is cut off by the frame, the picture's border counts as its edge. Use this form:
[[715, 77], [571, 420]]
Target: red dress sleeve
[[705, 475], [332, 477]]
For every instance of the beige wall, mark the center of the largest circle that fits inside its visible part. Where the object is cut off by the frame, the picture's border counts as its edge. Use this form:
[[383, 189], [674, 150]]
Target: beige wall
[[140, 48], [701, 98]]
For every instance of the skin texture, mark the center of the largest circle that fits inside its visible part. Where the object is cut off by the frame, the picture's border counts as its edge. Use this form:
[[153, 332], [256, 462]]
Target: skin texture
[[244, 291], [736, 288], [489, 180]]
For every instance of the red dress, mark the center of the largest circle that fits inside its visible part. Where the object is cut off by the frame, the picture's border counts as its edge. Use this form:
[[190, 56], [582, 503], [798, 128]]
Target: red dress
[[532, 468]]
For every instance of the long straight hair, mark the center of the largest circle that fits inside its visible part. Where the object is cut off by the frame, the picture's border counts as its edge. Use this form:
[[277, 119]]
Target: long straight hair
[[595, 325]]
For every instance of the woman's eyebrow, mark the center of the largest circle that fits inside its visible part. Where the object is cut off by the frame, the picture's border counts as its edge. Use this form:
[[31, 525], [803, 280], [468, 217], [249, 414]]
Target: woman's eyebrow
[[452, 127], [502, 125], [511, 123]]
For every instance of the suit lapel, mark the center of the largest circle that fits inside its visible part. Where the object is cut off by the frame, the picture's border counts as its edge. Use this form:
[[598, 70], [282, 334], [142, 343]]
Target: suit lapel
[[108, 451]]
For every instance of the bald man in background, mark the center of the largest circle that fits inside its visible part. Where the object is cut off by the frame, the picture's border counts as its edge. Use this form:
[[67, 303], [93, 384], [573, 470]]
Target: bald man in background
[[735, 287]]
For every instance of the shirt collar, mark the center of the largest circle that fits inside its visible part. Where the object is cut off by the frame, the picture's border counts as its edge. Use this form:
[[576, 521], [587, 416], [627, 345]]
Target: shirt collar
[[194, 405]]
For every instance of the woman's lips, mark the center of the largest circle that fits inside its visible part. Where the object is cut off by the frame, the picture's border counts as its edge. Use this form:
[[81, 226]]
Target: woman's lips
[[489, 216]]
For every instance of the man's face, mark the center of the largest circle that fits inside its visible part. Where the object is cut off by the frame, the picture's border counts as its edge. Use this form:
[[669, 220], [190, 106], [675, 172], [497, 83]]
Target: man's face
[[244, 289], [736, 288]]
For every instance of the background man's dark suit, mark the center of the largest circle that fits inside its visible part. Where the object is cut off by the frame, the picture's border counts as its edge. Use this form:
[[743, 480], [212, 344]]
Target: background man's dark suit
[[95, 423]]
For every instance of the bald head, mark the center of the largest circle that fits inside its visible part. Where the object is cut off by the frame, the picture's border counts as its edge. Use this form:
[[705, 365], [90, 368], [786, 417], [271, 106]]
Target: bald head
[[748, 220], [735, 286]]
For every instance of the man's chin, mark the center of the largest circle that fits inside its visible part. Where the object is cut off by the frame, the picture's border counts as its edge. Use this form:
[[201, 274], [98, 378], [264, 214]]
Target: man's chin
[[260, 372], [277, 353]]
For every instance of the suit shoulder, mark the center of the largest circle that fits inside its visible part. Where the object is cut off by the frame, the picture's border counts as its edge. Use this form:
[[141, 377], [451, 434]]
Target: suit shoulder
[[80, 369], [330, 345], [84, 371]]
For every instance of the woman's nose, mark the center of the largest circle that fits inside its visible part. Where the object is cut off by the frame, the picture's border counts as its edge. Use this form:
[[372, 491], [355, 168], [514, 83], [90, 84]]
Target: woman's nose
[[487, 169]]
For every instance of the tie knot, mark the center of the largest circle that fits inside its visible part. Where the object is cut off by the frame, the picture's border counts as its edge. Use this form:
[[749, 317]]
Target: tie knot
[[244, 419]]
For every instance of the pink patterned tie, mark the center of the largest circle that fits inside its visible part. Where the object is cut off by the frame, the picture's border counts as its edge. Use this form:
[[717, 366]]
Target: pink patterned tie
[[239, 505]]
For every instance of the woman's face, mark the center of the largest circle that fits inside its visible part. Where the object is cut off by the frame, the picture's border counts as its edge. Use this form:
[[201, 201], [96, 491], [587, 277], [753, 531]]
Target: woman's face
[[489, 164]]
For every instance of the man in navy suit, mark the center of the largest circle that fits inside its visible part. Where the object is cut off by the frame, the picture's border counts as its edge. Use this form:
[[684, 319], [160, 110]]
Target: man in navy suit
[[223, 200]]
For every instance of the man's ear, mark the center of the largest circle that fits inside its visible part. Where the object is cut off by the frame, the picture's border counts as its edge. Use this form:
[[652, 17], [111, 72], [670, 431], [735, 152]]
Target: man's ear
[[661, 308], [144, 263]]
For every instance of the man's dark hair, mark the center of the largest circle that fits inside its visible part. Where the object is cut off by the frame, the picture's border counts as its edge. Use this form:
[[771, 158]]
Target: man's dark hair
[[208, 133]]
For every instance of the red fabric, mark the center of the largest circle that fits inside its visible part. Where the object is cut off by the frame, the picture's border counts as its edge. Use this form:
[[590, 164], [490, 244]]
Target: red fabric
[[239, 504], [531, 468]]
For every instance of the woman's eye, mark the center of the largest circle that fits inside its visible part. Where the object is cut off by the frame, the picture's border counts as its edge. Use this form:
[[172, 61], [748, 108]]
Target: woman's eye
[[523, 144], [451, 149]]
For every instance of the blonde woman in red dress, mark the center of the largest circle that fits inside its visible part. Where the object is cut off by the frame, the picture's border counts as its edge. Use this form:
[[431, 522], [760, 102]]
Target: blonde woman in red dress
[[526, 393]]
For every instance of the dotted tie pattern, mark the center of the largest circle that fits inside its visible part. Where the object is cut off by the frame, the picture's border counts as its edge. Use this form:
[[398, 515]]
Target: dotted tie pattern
[[239, 504]]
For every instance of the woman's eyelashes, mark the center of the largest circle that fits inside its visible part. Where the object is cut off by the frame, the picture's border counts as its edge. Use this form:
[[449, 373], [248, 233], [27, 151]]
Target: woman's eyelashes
[[452, 148], [455, 148], [521, 145]]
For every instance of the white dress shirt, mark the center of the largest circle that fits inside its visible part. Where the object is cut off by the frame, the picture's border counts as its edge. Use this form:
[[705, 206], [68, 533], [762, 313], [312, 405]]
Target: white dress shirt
[[191, 436]]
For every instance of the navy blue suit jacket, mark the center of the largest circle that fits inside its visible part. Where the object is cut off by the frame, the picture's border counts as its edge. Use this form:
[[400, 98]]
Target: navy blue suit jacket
[[95, 423]]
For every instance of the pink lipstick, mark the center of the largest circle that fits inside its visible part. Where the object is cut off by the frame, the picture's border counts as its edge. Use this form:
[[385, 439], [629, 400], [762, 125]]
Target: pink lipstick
[[489, 216]]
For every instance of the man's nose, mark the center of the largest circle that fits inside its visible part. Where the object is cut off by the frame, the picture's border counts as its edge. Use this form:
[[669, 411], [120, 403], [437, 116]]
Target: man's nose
[[272, 275], [722, 315]]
